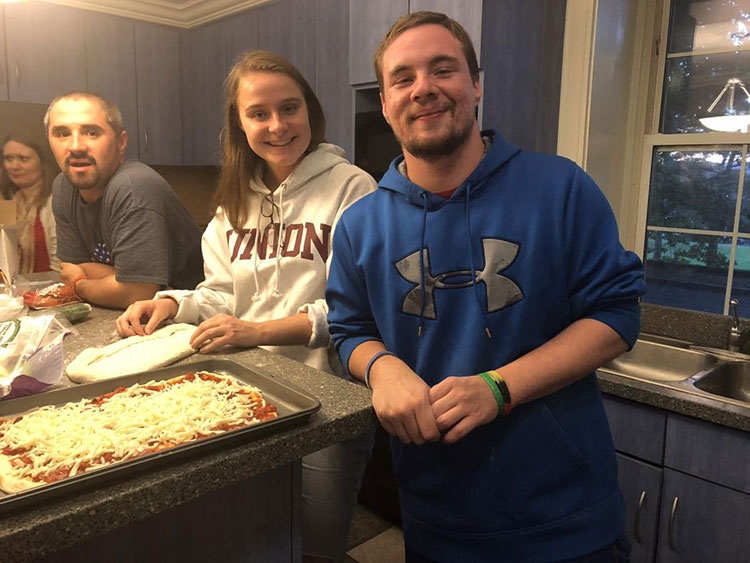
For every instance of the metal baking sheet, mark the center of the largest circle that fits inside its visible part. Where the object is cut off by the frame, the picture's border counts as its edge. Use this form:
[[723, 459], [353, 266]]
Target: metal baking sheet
[[294, 407]]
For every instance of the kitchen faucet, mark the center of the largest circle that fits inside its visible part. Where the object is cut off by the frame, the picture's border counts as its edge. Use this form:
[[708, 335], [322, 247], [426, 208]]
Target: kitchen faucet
[[734, 343]]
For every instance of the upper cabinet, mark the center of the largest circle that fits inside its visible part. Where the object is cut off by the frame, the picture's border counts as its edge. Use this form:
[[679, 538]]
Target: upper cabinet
[[157, 66], [110, 66], [241, 34], [3, 70], [203, 55], [288, 28], [466, 12], [332, 73], [369, 21], [45, 51]]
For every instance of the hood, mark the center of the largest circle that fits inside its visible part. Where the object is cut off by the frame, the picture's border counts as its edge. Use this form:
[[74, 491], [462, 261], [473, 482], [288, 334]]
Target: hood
[[323, 158], [313, 164], [500, 152]]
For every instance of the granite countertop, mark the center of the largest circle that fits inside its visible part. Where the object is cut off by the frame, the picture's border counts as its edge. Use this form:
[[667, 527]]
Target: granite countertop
[[679, 397], [32, 531]]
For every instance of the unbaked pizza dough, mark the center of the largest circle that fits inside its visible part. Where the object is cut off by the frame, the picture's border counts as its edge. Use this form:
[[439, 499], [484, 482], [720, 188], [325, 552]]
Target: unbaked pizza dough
[[133, 354]]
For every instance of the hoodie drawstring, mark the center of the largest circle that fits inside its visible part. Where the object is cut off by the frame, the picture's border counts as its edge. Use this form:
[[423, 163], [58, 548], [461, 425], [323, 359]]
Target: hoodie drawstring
[[279, 242], [279, 239], [471, 262], [256, 295], [421, 264]]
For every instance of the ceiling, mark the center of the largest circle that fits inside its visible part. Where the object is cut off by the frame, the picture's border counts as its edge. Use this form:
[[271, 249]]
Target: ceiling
[[178, 13]]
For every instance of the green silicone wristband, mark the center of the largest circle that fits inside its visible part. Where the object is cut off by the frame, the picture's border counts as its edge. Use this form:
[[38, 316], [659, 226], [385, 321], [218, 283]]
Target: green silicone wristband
[[495, 391]]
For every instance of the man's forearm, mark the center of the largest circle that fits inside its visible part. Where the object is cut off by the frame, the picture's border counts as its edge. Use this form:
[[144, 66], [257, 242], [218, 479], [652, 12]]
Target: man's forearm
[[578, 350], [108, 292]]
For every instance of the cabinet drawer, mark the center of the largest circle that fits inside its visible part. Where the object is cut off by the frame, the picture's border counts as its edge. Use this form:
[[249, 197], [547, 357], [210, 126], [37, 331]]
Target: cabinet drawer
[[710, 451], [637, 430]]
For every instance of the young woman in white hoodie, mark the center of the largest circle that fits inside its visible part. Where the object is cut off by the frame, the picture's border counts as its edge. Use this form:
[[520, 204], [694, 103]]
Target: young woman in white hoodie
[[266, 254]]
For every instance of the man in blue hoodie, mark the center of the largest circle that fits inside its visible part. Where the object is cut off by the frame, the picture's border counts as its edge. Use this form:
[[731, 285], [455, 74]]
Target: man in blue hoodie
[[476, 292]]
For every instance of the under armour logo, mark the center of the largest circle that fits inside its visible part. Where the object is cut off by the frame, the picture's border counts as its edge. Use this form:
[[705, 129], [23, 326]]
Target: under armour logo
[[501, 291]]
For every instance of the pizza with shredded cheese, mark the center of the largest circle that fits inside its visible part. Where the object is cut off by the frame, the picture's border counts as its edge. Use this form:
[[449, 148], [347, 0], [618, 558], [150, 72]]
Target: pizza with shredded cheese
[[52, 443]]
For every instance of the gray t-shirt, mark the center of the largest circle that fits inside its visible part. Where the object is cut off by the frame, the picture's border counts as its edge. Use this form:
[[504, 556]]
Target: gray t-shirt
[[139, 226]]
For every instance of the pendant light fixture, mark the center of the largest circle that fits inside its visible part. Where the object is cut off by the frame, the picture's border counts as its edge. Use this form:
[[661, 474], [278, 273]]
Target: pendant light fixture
[[731, 121]]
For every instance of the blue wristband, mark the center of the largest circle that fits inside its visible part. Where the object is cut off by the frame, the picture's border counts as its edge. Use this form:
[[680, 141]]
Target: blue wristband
[[372, 361]]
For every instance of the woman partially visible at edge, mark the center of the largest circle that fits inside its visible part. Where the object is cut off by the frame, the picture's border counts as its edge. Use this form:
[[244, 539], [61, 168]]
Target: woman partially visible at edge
[[266, 254], [24, 179]]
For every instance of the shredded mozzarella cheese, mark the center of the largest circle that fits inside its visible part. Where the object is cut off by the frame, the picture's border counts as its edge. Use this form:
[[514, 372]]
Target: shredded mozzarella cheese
[[85, 435]]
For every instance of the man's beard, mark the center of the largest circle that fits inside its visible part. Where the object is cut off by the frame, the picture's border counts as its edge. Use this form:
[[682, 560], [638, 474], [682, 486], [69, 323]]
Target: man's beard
[[88, 181], [433, 148]]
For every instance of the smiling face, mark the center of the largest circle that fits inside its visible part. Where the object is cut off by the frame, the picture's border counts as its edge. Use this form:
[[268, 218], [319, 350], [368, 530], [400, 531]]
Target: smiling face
[[429, 97], [273, 114], [85, 146], [22, 164]]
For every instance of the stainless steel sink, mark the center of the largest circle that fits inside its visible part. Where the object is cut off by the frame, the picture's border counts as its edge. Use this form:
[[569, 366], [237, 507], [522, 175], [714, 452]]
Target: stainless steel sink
[[730, 380], [652, 361]]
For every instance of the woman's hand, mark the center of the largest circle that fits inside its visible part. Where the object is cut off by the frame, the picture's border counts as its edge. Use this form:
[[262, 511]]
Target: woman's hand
[[153, 312], [224, 330]]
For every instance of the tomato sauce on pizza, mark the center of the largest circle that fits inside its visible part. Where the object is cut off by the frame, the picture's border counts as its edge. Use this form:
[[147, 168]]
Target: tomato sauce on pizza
[[52, 443]]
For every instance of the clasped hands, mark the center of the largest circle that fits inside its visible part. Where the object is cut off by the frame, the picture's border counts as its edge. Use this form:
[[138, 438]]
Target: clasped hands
[[416, 413]]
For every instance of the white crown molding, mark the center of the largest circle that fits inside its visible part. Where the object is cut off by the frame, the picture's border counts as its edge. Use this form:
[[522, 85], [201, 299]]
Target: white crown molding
[[177, 13]]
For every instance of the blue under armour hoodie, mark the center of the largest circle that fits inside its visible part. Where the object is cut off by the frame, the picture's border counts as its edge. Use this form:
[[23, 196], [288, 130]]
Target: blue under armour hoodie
[[526, 246]]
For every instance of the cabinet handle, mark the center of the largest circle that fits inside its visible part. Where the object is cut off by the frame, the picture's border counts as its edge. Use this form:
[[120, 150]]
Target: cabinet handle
[[670, 531], [638, 517], [18, 73], [145, 139]]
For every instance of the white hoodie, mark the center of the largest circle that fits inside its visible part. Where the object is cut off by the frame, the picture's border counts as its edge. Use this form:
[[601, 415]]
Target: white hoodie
[[255, 278]]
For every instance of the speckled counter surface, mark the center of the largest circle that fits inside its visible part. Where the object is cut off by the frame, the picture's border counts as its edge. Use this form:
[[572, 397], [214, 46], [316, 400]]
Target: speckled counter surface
[[33, 531], [680, 397]]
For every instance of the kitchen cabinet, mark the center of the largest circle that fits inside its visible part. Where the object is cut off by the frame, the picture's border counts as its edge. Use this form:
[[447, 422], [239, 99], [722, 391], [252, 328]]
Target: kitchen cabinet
[[288, 28], [691, 500], [45, 51], [110, 68], [3, 58], [705, 514], [466, 12], [641, 489], [522, 44], [218, 527], [202, 93], [702, 521], [241, 34], [368, 22], [157, 65], [331, 73]]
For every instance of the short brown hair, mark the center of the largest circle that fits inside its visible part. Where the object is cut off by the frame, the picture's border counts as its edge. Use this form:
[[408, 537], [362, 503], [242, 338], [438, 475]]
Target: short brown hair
[[418, 19], [238, 159], [114, 117]]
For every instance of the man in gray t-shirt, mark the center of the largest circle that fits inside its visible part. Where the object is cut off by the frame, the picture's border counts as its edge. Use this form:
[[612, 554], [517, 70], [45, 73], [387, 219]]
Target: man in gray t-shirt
[[122, 232]]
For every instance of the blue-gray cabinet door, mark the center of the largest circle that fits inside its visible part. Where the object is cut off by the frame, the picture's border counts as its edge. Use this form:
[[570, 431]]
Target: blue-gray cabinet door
[[368, 22], [157, 67], [110, 68], [702, 522], [45, 51], [203, 55], [332, 72], [3, 68], [641, 488], [287, 27]]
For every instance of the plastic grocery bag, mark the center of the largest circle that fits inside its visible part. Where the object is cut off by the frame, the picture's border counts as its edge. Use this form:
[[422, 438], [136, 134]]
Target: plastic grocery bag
[[31, 354]]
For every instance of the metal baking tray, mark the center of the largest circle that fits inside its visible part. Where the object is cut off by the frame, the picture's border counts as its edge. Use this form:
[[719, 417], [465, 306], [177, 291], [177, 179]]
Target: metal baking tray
[[294, 407]]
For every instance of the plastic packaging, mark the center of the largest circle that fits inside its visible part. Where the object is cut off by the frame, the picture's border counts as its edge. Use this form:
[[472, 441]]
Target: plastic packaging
[[31, 354]]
